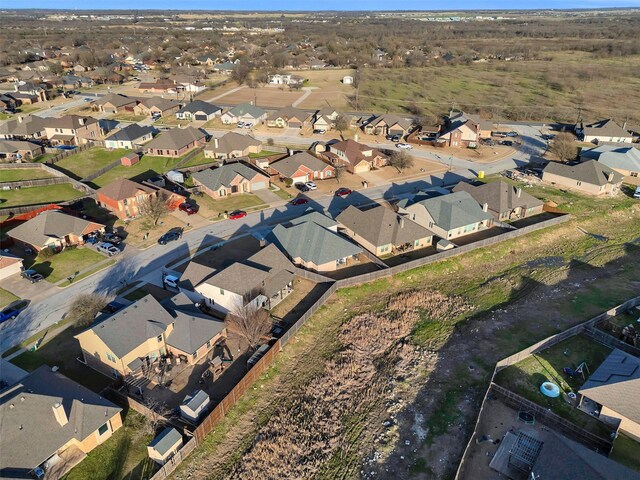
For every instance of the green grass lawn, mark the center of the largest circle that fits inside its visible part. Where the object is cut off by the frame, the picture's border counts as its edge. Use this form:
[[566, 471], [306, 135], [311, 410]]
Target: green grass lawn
[[626, 451], [123, 456], [44, 157], [264, 153], [146, 168], [128, 117], [4, 116], [89, 161], [18, 174], [283, 194], [525, 377], [66, 263], [37, 195], [199, 159], [6, 297], [212, 208]]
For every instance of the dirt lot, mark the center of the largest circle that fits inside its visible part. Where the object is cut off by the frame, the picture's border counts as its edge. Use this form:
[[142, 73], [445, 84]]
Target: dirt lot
[[330, 89], [268, 96]]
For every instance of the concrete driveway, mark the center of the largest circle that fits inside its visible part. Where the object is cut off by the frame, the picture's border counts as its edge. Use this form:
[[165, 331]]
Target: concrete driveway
[[26, 290]]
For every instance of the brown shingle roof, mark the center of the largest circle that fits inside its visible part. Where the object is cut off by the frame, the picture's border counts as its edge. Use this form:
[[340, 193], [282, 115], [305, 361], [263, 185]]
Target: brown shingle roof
[[176, 138], [123, 188]]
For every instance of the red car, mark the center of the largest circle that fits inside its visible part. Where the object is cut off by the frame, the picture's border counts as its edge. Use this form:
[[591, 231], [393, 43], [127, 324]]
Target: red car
[[187, 207], [236, 214], [343, 192], [299, 201]]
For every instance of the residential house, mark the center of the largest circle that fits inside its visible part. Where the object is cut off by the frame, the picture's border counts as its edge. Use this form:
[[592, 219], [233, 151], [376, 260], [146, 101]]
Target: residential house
[[50, 423], [590, 177], [230, 179], [157, 106], [245, 112], [302, 167], [7, 103], [483, 128], [71, 82], [176, 142], [312, 242], [316, 64], [132, 339], [188, 83], [382, 231], [624, 160], [129, 137], [325, 118], [261, 281], [615, 387], [54, 230], [198, 111], [126, 198], [504, 201], [232, 145], [464, 130], [388, 124], [71, 130], [165, 445], [208, 60], [9, 265], [224, 68], [354, 156], [289, 117], [32, 89], [285, 79], [115, 103], [23, 128], [19, 150], [194, 406], [448, 216], [603, 131], [161, 85]]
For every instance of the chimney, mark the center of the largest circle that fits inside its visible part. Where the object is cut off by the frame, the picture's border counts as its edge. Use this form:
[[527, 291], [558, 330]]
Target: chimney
[[485, 207], [609, 176], [355, 137], [20, 119], [215, 143], [60, 414], [81, 120], [518, 192], [401, 221]]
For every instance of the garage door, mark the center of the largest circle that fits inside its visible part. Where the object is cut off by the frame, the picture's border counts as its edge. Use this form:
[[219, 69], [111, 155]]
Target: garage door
[[201, 117], [259, 185], [301, 179]]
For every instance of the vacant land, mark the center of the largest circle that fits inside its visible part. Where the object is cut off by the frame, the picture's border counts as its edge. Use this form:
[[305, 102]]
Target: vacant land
[[18, 174], [66, 263], [271, 96], [38, 195], [146, 168], [85, 163]]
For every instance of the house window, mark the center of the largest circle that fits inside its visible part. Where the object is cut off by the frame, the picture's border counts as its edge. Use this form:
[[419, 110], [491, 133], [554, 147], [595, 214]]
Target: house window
[[578, 183], [634, 174], [430, 223], [195, 354], [159, 338], [103, 429], [221, 291], [208, 343], [111, 357]]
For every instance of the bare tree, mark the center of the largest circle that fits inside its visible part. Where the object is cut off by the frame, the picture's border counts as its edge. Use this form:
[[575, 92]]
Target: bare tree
[[154, 207], [564, 146], [401, 160], [337, 174], [84, 308], [342, 123], [156, 417], [249, 321]]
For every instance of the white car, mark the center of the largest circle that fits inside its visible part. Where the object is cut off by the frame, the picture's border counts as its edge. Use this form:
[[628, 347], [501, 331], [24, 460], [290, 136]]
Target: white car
[[107, 248], [311, 186], [171, 281], [404, 146], [240, 125], [248, 125]]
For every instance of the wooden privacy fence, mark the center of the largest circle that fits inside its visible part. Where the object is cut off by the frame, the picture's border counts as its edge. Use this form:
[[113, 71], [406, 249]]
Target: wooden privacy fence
[[60, 154], [102, 171]]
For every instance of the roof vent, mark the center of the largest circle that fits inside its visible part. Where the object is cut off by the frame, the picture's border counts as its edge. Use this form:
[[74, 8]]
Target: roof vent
[[20, 427], [12, 406], [22, 398]]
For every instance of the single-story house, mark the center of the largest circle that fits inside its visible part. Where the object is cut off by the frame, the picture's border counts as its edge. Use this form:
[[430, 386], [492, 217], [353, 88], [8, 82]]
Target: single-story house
[[130, 340], [615, 386], [382, 231], [230, 179], [157, 105], [54, 230], [129, 137], [302, 167], [198, 111], [115, 102], [262, 280], [504, 201], [232, 145], [23, 128], [590, 177], [325, 118], [51, 422], [245, 112], [312, 242], [193, 406], [448, 216], [289, 117], [603, 131], [354, 156], [388, 124], [165, 445], [9, 265], [176, 142], [285, 79], [13, 150], [126, 198], [161, 85], [624, 160]]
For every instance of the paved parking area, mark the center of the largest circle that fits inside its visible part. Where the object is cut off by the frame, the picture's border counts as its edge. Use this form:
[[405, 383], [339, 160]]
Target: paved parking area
[[26, 290]]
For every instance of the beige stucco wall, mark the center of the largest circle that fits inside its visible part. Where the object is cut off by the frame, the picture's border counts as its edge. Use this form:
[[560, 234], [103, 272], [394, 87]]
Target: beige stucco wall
[[583, 187], [628, 426]]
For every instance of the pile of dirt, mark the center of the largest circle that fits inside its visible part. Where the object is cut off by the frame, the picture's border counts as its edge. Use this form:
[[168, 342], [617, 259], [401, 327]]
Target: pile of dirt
[[319, 431]]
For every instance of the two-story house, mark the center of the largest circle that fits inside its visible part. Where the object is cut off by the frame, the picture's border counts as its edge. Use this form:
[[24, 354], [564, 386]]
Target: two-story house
[[72, 130]]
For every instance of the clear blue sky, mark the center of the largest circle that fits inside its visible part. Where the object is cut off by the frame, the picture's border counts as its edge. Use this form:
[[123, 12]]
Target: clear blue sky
[[314, 4]]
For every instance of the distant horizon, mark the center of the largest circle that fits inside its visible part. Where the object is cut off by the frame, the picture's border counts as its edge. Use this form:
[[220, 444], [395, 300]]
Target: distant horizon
[[307, 6]]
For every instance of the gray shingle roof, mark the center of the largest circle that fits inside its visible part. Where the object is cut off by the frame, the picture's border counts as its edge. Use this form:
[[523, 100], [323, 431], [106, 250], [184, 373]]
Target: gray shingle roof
[[289, 113], [165, 440], [115, 99], [247, 109], [28, 126], [196, 400], [30, 431], [130, 133], [499, 196], [616, 384], [52, 224], [454, 210], [621, 158], [605, 128], [192, 329], [382, 226], [200, 106], [176, 138], [591, 172], [289, 165], [231, 142], [214, 178], [312, 243]]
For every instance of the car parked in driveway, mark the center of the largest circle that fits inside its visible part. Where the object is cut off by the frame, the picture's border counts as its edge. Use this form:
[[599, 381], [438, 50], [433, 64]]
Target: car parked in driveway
[[319, 131], [512, 134], [343, 192], [507, 143], [32, 276], [311, 186], [236, 214], [170, 236], [394, 137], [299, 201], [187, 208], [240, 125], [404, 146], [107, 248], [301, 186], [111, 238]]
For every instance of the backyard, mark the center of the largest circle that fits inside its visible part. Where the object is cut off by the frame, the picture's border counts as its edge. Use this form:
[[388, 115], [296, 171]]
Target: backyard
[[625, 451], [525, 378], [19, 174], [146, 168], [83, 164], [38, 195], [67, 263]]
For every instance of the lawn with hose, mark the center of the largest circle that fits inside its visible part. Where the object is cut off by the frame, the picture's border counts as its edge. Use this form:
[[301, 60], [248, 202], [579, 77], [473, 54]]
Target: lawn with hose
[[146, 168], [67, 263], [83, 164], [39, 195], [19, 174]]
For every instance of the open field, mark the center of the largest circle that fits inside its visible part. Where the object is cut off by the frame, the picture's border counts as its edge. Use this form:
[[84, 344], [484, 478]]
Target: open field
[[270, 96], [89, 161], [534, 89], [36, 195], [328, 88], [146, 168], [19, 174]]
